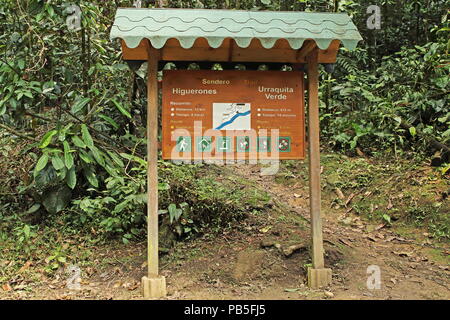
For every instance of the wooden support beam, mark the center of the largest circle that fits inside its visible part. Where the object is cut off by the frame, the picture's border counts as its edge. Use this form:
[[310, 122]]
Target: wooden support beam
[[306, 49], [314, 160], [230, 52], [154, 286], [317, 275], [230, 49]]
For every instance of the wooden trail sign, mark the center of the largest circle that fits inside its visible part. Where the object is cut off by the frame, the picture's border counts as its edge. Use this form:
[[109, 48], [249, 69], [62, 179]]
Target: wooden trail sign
[[237, 107], [233, 114]]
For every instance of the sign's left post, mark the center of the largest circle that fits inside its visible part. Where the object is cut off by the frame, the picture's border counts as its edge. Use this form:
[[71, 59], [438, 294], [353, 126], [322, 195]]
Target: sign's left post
[[153, 285]]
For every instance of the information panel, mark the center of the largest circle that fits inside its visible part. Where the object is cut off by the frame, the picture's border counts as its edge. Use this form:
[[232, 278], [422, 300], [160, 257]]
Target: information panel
[[233, 115]]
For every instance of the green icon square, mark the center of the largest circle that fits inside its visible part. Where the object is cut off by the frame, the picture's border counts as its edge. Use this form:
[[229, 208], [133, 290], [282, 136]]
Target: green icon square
[[264, 144], [243, 144], [203, 144], [224, 144], [284, 144], [184, 144]]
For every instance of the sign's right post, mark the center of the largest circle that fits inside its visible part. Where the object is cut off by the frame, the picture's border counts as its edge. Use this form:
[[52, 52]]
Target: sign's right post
[[318, 275]]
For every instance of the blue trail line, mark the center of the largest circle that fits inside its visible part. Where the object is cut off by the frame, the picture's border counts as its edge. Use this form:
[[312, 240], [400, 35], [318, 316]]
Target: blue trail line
[[237, 115]]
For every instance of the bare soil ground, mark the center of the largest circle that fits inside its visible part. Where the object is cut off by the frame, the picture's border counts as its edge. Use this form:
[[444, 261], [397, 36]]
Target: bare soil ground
[[266, 257]]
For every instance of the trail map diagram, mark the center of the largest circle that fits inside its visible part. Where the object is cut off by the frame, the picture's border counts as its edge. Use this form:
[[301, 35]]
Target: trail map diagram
[[231, 116]]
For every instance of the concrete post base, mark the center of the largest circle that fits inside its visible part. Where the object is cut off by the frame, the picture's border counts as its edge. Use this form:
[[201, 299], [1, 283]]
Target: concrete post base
[[154, 288], [319, 278]]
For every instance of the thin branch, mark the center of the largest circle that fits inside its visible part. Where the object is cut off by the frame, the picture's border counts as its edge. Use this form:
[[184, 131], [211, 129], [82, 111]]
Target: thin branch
[[33, 115], [11, 67], [17, 133]]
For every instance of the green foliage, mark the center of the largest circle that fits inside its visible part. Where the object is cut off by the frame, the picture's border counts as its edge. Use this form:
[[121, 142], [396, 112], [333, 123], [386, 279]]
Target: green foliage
[[438, 224], [50, 73], [369, 108], [179, 219], [119, 208], [70, 161], [394, 192], [56, 259], [190, 201], [24, 234]]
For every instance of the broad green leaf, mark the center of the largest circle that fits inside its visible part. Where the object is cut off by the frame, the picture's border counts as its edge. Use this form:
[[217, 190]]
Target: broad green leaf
[[121, 206], [28, 94], [79, 105], [116, 159], [72, 178], [86, 136], [42, 162], [90, 176], [68, 158], [97, 156], [174, 213], [109, 120], [111, 171], [78, 142], [26, 230], [2, 108], [13, 103], [85, 157], [47, 138], [412, 131], [33, 209], [121, 109], [57, 162], [134, 158]]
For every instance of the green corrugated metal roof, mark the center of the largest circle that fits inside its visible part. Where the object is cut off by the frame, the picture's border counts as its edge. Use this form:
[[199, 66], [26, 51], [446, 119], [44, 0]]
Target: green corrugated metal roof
[[186, 25]]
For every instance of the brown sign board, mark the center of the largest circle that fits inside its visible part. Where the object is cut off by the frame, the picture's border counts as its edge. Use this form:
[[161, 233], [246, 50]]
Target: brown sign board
[[233, 115]]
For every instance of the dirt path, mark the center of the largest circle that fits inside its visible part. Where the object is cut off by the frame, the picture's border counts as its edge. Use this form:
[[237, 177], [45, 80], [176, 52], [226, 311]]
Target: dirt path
[[266, 256], [241, 268], [250, 265]]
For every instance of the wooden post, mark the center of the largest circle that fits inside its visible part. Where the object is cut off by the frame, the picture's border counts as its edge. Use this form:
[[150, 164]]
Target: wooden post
[[317, 275], [152, 169], [154, 286]]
